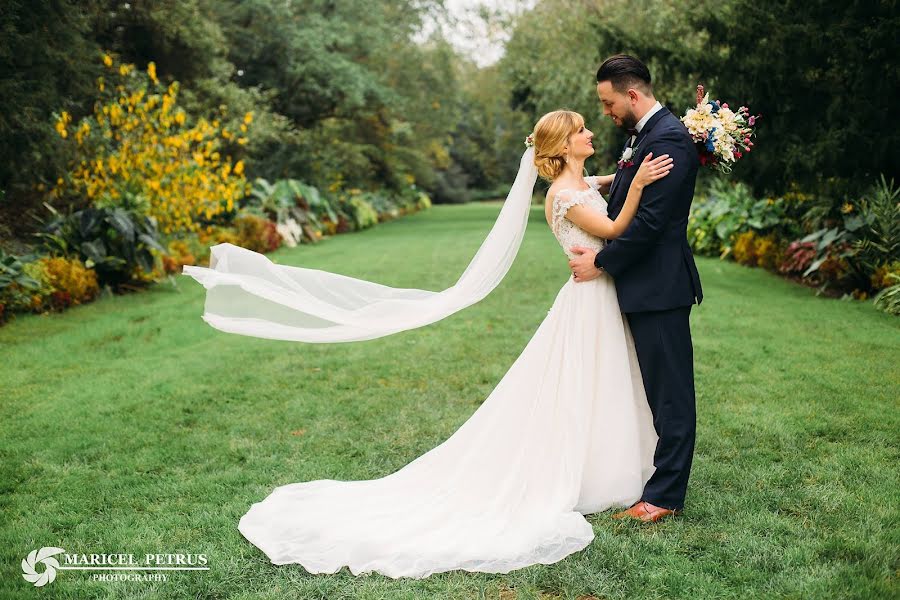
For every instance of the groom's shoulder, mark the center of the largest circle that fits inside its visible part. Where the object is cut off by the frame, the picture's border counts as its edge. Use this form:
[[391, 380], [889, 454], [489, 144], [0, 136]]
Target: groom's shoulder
[[671, 125], [671, 129], [670, 135]]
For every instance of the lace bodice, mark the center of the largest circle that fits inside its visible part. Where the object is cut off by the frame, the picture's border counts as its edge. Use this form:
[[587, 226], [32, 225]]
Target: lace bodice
[[568, 233]]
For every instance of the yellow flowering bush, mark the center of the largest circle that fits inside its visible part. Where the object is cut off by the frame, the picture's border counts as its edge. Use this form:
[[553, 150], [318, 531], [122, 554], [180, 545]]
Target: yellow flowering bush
[[744, 248], [62, 282], [768, 252], [179, 254], [212, 236], [139, 151], [755, 250], [72, 282]]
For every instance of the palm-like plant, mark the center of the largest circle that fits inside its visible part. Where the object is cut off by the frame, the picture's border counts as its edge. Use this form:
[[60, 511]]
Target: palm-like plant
[[879, 236]]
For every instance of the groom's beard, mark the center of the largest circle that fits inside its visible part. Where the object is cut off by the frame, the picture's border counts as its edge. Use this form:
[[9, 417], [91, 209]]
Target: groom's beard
[[629, 121]]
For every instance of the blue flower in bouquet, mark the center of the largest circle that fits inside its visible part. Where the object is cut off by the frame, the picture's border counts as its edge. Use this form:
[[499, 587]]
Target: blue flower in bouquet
[[710, 141]]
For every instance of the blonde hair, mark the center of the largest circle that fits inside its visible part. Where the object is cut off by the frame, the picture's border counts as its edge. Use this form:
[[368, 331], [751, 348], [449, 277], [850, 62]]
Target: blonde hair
[[551, 134]]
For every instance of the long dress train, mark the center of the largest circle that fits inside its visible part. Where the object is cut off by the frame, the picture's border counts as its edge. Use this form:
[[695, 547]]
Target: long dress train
[[566, 432]]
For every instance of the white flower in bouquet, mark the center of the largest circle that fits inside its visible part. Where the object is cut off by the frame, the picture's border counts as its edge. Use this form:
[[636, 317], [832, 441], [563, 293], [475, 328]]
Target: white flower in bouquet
[[699, 120], [724, 145], [727, 119]]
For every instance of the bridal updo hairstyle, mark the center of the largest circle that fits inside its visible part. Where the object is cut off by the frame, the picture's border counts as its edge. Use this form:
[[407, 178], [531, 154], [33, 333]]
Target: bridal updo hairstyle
[[551, 134]]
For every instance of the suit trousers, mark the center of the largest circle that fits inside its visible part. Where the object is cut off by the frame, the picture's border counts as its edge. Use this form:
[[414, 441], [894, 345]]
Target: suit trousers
[[665, 353]]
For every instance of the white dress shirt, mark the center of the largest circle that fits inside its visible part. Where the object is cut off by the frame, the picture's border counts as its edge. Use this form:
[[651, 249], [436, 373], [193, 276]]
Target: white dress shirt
[[640, 124], [653, 110]]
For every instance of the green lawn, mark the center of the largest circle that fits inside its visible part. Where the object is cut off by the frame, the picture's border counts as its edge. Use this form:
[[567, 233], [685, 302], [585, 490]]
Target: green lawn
[[130, 426]]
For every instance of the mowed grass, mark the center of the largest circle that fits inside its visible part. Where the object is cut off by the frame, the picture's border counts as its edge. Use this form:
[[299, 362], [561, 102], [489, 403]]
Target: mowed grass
[[130, 426]]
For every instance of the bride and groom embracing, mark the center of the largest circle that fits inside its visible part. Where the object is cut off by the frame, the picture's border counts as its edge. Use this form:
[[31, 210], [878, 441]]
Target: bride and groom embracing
[[596, 412]]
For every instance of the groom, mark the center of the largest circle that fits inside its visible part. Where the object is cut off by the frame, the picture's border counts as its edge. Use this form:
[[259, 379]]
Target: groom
[[654, 272]]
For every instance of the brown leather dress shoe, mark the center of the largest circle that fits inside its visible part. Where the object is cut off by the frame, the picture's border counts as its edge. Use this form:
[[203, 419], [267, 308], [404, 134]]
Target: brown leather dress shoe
[[646, 512]]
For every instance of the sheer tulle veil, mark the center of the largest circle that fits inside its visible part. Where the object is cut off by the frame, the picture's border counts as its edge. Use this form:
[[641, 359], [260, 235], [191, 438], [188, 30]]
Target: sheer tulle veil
[[248, 294]]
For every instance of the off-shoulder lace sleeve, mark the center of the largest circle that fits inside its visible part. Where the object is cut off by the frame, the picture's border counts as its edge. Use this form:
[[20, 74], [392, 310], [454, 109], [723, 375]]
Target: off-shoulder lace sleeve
[[562, 202]]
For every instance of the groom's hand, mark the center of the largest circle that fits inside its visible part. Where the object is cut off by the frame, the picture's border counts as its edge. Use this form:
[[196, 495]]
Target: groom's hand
[[582, 266]]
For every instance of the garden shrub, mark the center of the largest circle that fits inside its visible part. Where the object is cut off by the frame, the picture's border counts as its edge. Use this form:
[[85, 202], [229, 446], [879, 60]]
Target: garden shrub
[[118, 244], [140, 151], [257, 234]]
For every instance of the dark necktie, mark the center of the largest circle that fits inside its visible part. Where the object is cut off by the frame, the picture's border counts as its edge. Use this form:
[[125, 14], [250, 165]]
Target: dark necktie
[[633, 133]]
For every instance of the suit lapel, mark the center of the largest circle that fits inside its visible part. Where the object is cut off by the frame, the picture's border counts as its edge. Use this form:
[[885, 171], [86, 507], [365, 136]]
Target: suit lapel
[[645, 131], [619, 175], [651, 123]]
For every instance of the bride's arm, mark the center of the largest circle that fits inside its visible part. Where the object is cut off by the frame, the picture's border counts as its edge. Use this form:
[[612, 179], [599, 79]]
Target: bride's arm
[[601, 225]]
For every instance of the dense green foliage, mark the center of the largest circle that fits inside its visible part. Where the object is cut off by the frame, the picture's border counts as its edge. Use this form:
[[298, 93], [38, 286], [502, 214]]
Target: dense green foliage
[[339, 101], [821, 72], [343, 101]]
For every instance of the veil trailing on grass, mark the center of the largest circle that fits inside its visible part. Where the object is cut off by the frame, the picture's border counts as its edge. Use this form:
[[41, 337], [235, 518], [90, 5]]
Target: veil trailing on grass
[[248, 294]]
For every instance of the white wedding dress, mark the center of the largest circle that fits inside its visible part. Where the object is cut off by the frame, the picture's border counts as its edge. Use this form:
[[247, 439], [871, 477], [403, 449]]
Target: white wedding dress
[[566, 432]]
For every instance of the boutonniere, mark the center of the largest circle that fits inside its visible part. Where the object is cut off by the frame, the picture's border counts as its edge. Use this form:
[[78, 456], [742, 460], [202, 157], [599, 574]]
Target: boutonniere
[[625, 160]]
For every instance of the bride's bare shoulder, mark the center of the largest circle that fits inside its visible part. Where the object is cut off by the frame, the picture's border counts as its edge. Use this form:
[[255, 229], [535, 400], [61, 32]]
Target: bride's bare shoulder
[[556, 188], [548, 204], [552, 191]]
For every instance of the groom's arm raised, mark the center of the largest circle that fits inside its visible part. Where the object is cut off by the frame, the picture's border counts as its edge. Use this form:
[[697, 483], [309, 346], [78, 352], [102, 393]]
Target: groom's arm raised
[[655, 210]]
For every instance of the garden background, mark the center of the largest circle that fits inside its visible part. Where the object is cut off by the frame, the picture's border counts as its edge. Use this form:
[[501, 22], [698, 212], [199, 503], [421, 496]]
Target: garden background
[[136, 134]]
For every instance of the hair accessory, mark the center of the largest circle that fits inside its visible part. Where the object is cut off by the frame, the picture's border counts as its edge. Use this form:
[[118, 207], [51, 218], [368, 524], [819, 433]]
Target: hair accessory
[[529, 140]]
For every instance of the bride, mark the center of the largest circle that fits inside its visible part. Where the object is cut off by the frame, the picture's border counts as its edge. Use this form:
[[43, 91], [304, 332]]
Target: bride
[[566, 432]]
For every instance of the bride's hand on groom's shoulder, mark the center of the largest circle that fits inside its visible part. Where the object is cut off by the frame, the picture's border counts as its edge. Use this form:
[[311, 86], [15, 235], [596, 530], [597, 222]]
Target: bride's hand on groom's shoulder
[[652, 169]]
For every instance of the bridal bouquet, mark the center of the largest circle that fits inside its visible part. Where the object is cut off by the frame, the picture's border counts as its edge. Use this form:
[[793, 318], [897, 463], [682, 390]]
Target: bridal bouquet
[[721, 134]]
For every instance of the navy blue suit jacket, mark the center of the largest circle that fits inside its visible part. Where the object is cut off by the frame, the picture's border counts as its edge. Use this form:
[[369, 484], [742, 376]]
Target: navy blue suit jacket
[[651, 262]]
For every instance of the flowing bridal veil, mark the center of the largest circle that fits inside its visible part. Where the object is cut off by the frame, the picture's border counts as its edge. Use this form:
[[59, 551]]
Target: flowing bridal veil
[[248, 294]]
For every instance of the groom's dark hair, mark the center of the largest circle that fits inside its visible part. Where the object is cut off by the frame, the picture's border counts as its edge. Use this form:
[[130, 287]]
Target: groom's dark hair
[[623, 72]]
